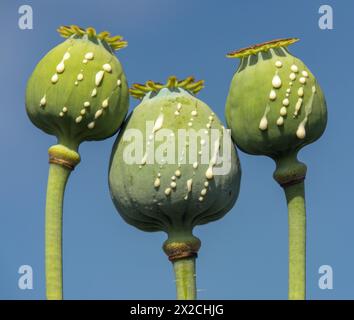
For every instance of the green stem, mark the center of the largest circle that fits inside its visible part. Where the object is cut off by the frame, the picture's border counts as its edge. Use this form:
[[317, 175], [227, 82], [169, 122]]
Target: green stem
[[295, 196], [185, 278], [57, 178], [290, 174]]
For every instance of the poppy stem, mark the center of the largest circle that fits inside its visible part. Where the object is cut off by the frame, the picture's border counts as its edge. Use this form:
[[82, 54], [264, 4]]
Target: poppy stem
[[185, 278], [57, 178], [290, 174], [62, 161], [295, 196]]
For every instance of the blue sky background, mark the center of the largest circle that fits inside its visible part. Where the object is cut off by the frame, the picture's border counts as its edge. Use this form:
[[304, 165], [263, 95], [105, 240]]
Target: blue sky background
[[243, 255]]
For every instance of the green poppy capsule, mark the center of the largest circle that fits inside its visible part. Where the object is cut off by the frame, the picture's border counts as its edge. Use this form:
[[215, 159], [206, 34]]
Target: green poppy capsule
[[165, 173], [275, 105], [78, 91]]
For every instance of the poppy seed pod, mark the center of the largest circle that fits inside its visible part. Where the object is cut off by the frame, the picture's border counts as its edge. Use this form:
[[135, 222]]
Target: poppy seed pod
[[173, 184], [274, 108], [275, 105], [78, 91]]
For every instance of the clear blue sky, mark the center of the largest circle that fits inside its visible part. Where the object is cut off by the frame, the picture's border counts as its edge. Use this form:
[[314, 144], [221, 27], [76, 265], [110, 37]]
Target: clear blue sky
[[243, 255]]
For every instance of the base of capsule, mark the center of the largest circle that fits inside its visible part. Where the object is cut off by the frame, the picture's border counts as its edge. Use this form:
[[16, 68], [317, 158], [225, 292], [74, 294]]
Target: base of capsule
[[180, 248]]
